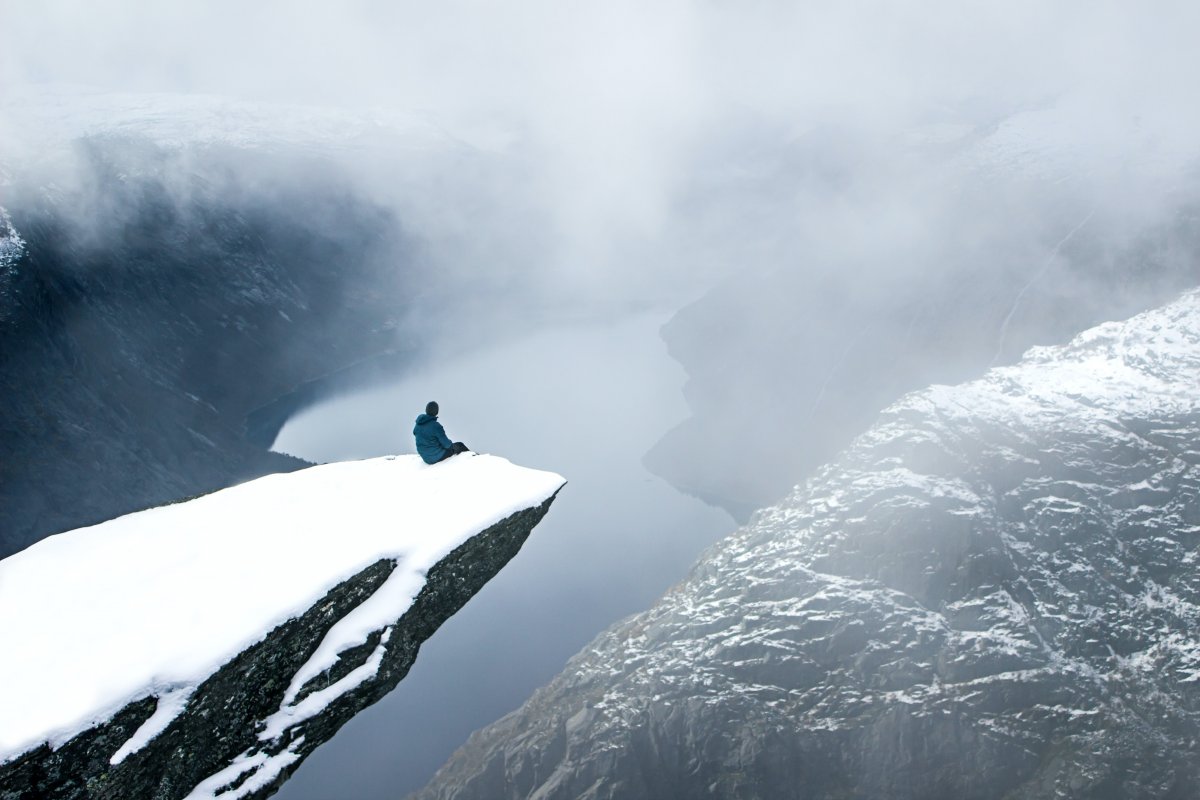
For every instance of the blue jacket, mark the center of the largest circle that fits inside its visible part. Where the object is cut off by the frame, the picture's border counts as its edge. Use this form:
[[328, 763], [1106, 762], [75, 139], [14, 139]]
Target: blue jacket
[[432, 441]]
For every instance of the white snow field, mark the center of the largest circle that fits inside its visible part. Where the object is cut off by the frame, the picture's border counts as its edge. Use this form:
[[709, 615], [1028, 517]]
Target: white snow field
[[154, 602]]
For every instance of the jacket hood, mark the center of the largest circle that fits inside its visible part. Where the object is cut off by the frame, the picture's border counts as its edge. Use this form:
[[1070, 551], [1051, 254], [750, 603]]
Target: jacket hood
[[423, 418]]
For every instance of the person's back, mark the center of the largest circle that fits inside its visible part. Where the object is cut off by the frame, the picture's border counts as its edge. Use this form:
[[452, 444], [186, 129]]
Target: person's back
[[433, 444]]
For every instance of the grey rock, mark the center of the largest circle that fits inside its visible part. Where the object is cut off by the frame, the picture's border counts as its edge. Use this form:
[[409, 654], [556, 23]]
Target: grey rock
[[991, 594]]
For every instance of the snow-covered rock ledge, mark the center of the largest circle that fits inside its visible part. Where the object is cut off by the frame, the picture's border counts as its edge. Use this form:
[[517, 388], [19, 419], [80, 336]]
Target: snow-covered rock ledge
[[203, 649]]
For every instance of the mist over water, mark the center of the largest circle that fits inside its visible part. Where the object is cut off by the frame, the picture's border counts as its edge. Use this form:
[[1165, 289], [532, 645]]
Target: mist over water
[[586, 401]]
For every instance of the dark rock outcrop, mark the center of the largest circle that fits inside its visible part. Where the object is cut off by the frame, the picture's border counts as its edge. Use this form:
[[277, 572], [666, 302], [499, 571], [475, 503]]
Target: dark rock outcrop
[[222, 721], [991, 594]]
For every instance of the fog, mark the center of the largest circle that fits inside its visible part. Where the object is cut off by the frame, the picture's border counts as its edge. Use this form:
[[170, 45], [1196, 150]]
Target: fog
[[592, 156], [827, 204], [643, 147]]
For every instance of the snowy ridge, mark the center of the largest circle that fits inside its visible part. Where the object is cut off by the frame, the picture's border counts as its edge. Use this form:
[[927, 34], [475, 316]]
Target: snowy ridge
[[157, 601], [43, 131], [1047, 143], [56, 116], [1001, 573]]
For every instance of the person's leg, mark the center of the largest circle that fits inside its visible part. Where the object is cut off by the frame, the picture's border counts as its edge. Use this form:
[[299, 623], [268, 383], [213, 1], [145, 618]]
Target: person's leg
[[454, 449]]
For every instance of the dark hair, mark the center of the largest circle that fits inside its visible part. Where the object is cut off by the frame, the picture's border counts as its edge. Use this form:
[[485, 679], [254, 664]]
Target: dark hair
[[431, 408]]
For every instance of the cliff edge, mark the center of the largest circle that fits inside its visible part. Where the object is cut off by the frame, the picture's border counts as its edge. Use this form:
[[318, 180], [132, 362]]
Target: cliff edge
[[203, 649]]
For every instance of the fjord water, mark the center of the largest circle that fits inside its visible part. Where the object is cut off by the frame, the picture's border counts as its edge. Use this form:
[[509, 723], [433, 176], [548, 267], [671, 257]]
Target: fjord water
[[586, 401]]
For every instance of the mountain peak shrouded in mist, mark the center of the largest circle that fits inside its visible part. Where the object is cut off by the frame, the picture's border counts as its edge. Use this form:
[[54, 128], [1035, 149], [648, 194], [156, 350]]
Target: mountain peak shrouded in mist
[[998, 574], [206, 647]]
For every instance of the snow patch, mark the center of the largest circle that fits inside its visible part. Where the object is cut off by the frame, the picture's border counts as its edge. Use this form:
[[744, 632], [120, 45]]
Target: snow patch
[[170, 705], [12, 247], [291, 714], [263, 769]]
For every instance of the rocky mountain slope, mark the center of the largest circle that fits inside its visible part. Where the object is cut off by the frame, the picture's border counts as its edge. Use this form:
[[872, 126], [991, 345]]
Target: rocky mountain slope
[[154, 299], [991, 594], [204, 649]]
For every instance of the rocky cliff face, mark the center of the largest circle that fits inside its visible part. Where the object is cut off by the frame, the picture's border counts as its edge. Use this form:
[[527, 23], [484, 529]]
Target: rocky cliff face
[[157, 297], [991, 594], [229, 740]]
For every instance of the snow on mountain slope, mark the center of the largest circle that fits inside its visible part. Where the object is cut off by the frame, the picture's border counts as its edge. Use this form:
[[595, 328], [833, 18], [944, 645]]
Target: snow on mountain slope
[[12, 246], [991, 594], [11, 243], [57, 115], [155, 604]]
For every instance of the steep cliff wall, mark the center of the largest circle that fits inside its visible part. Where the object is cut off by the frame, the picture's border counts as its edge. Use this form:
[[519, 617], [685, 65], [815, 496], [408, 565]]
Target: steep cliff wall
[[142, 673], [991, 594], [160, 295]]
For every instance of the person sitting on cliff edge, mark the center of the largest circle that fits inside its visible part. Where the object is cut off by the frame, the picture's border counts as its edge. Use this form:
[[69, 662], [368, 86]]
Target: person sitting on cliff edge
[[432, 442]]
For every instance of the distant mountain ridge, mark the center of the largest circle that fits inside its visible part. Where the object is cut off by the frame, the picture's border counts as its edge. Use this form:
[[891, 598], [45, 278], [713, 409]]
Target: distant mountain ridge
[[991, 594]]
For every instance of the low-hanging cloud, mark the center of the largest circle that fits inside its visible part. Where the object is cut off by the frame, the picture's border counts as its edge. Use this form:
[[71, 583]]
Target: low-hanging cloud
[[620, 118], [590, 155]]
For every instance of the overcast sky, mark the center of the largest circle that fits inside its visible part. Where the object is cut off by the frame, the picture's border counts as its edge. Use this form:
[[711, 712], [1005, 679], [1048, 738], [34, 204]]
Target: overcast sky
[[621, 105]]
